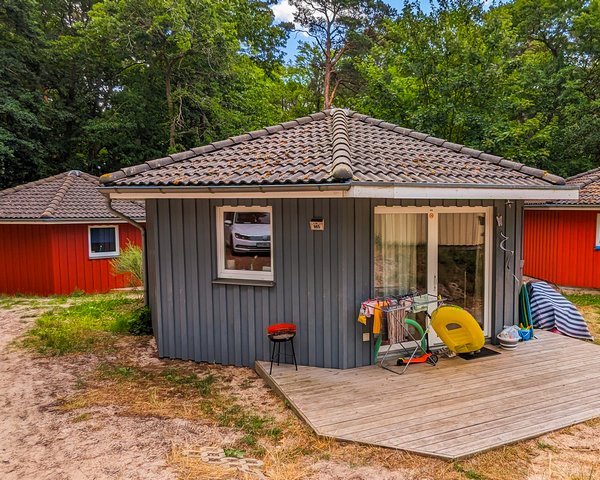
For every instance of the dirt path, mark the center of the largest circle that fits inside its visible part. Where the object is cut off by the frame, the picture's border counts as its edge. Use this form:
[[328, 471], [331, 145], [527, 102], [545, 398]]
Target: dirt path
[[37, 441]]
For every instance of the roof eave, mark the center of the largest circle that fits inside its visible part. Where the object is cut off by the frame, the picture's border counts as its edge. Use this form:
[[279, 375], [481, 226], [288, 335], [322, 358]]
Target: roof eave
[[563, 206], [64, 221], [350, 190]]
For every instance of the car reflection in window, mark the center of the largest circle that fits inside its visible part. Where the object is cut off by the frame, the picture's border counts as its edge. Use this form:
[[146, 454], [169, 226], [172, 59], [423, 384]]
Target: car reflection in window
[[248, 232]]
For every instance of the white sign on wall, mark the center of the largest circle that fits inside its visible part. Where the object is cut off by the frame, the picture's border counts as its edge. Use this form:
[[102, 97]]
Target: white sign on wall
[[317, 224]]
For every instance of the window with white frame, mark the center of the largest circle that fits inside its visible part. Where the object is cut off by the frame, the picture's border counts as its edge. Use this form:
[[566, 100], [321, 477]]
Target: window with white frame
[[103, 241], [244, 245], [598, 231]]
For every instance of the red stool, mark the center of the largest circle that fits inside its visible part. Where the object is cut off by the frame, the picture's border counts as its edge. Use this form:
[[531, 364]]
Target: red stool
[[278, 334]]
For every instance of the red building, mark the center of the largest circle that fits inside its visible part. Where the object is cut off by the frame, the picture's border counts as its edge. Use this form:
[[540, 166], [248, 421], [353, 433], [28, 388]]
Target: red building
[[562, 239], [57, 235]]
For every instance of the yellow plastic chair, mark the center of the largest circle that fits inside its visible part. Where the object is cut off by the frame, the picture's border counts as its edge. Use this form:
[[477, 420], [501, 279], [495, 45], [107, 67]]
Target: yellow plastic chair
[[458, 329]]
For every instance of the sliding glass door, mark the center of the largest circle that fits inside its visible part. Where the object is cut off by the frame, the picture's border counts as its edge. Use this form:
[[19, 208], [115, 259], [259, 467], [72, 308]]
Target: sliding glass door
[[461, 261], [441, 251]]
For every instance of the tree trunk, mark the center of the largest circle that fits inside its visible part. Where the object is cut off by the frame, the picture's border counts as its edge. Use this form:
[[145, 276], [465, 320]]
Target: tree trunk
[[327, 82], [328, 68]]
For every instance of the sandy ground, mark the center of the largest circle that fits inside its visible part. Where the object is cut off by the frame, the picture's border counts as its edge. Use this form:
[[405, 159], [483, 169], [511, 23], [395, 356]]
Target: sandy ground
[[39, 440]]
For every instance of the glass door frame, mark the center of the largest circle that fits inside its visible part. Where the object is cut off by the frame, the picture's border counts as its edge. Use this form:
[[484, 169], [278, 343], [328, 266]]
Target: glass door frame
[[432, 253]]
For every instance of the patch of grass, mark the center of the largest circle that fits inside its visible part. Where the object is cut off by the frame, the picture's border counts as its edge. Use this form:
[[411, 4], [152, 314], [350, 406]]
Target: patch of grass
[[246, 384], [58, 300], [9, 302], [233, 453], [585, 300], [82, 417], [256, 425], [589, 306], [116, 371], [82, 327], [471, 474], [545, 446], [202, 385], [80, 384]]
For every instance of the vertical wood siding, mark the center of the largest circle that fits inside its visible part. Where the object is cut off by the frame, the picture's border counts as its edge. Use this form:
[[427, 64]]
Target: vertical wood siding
[[25, 260], [53, 259], [559, 247], [320, 280]]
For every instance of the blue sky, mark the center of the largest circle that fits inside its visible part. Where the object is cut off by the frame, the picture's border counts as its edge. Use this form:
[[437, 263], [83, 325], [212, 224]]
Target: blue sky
[[284, 13]]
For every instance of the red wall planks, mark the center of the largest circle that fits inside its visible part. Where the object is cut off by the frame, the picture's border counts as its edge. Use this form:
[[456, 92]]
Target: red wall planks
[[53, 259], [25, 259], [559, 246]]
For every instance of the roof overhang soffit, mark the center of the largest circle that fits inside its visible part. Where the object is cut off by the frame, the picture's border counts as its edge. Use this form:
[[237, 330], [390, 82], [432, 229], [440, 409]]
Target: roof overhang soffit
[[442, 192]]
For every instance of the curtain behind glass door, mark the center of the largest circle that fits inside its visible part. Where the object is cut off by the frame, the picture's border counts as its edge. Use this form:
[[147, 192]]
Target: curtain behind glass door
[[400, 253]]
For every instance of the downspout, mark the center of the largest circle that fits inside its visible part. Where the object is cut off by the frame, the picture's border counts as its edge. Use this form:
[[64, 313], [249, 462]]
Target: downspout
[[142, 230]]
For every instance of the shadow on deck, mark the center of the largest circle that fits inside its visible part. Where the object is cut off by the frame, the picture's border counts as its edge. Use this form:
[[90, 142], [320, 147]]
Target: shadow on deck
[[456, 409]]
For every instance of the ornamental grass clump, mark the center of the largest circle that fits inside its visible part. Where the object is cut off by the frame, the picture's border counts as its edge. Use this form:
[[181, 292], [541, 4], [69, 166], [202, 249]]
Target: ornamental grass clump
[[129, 263]]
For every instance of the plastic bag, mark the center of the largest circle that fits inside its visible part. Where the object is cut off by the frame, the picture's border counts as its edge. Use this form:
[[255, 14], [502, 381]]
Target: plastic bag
[[510, 333]]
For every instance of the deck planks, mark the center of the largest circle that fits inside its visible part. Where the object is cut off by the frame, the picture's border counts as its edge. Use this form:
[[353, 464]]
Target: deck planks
[[456, 409]]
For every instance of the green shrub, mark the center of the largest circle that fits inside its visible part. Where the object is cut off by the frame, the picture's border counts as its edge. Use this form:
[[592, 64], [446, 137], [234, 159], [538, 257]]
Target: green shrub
[[129, 262], [140, 322]]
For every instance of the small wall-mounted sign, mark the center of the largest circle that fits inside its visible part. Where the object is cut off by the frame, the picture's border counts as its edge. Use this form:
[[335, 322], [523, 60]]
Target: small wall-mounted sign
[[317, 224]]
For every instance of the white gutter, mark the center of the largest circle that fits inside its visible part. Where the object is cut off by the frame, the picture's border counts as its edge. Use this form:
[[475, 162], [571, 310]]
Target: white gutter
[[544, 206], [441, 192], [27, 221], [464, 193]]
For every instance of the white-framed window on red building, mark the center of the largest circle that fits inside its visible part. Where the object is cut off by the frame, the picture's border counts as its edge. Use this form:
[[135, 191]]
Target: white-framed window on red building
[[103, 241]]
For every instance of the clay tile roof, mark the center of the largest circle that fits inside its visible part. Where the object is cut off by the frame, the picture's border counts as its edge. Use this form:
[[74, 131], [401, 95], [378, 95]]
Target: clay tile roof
[[589, 187], [332, 147], [71, 195]]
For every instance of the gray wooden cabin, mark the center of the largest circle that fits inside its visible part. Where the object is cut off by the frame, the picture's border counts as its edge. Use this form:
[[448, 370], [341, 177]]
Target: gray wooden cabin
[[303, 221]]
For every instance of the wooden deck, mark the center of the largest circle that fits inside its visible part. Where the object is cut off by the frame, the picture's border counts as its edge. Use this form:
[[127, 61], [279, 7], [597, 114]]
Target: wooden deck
[[456, 409]]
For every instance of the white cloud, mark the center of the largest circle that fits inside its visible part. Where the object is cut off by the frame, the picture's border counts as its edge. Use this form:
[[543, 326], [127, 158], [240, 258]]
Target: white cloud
[[283, 11]]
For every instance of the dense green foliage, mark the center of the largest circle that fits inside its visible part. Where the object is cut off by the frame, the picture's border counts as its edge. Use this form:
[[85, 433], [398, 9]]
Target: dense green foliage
[[100, 84], [519, 80]]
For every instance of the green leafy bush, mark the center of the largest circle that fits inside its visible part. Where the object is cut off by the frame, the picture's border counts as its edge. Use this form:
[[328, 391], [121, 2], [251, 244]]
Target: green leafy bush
[[140, 322]]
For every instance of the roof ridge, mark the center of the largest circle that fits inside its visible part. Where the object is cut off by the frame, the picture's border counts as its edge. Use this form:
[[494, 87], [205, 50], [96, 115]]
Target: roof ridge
[[211, 147], [85, 175], [341, 165], [27, 185], [44, 180], [456, 147], [595, 175], [58, 196]]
